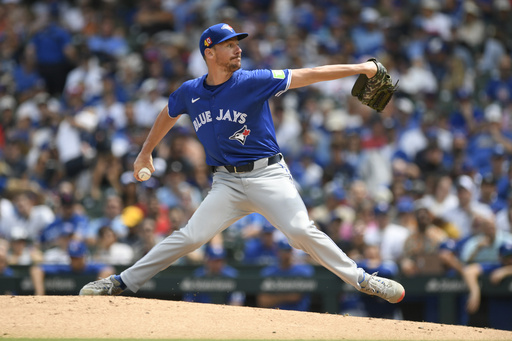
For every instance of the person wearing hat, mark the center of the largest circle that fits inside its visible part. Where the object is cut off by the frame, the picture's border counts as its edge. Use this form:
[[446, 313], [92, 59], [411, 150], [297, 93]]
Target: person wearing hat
[[231, 115], [215, 267], [488, 194], [22, 251], [261, 250], [286, 267], [368, 37], [70, 220], [78, 265], [480, 307]]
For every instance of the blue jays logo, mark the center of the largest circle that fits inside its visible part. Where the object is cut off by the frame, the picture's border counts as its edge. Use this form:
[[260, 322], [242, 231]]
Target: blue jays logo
[[227, 27], [241, 135]]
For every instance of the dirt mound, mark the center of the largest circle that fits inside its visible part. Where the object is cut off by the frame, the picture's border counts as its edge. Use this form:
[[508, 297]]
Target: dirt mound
[[128, 317]]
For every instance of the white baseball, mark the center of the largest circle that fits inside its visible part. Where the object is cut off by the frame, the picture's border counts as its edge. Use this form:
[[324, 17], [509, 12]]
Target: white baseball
[[144, 174]]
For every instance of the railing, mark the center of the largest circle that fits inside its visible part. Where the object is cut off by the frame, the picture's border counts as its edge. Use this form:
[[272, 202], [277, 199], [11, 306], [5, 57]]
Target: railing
[[326, 288]]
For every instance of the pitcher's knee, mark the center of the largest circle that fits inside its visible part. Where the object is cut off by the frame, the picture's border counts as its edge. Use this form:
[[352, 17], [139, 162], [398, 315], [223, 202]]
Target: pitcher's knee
[[188, 242], [298, 235]]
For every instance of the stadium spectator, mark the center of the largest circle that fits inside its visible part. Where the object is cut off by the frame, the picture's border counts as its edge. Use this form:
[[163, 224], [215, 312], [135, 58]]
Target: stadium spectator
[[109, 251], [215, 267], [484, 245], [488, 194], [261, 249], [69, 218], [286, 267], [79, 265], [5, 270], [28, 215], [52, 48], [22, 250], [461, 216], [420, 255], [109, 42], [372, 263], [389, 238], [145, 238], [480, 307], [504, 216], [111, 216]]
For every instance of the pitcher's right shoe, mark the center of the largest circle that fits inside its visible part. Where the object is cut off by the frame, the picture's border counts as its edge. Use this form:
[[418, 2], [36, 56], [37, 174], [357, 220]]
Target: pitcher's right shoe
[[106, 286], [385, 288]]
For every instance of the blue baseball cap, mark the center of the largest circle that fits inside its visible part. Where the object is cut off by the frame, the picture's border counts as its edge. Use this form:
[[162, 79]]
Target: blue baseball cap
[[77, 249], [283, 245], [506, 249], [213, 253], [217, 34], [268, 228], [405, 205], [381, 208]]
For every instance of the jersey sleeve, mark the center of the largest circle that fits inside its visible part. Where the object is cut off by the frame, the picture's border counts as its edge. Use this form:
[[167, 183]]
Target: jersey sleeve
[[176, 105], [271, 82]]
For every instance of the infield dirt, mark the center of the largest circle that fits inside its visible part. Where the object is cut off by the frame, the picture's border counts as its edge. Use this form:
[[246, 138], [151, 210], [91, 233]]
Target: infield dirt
[[57, 317]]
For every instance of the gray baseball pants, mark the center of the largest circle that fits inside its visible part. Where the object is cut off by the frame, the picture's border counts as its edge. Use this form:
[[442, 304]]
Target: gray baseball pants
[[268, 190]]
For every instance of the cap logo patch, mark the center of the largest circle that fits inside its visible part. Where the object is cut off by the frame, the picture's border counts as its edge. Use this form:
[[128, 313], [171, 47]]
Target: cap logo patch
[[227, 27], [207, 42]]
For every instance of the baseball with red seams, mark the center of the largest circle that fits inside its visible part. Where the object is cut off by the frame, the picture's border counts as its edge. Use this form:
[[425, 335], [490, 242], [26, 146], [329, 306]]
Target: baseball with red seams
[[144, 174]]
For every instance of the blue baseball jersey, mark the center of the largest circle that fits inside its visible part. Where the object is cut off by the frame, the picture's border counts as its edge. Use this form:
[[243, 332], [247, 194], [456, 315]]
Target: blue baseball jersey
[[233, 120], [296, 270]]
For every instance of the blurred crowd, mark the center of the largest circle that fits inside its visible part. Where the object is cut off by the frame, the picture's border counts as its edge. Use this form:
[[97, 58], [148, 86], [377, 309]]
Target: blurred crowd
[[422, 188]]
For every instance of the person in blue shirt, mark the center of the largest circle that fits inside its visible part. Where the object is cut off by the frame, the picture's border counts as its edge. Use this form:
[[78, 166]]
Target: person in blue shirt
[[79, 265], [480, 308], [230, 113], [286, 267], [70, 220], [371, 263], [25, 75], [108, 44], [261, 250], [53, 49], [215, 267]]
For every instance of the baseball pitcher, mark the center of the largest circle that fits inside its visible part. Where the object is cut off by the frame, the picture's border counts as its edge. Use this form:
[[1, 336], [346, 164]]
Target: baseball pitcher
[[230, 113]]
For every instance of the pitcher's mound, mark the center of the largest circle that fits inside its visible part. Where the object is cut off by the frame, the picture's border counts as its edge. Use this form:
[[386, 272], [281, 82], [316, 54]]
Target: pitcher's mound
[[136, 318]]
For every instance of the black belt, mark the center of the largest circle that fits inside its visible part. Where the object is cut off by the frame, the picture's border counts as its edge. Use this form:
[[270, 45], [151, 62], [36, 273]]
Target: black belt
[[249, 166]]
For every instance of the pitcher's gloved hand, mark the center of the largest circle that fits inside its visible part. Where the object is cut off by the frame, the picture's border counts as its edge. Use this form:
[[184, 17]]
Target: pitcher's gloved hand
[[375, 92]]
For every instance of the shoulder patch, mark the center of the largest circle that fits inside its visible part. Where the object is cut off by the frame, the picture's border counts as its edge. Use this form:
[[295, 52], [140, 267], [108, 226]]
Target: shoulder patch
[[278, 74]]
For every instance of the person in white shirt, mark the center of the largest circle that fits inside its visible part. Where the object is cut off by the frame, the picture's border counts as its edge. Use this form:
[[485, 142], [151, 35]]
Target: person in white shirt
[[29, 217], [110, 251], [389, 237], [462, 215]]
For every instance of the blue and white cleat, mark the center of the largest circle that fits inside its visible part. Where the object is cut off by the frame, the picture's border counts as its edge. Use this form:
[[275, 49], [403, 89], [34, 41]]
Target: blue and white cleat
[[109, 286], [385, 288]]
